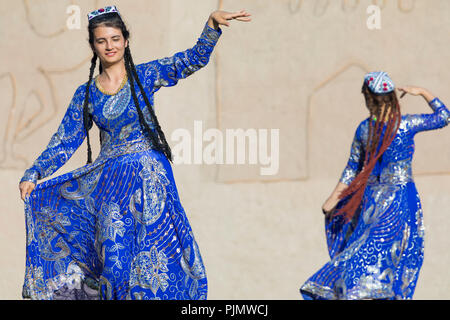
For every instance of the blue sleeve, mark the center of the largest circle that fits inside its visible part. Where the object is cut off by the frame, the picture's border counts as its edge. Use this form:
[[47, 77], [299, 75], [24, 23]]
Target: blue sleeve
[[423, 122], [64, 142], [356, 159], [167, 71]]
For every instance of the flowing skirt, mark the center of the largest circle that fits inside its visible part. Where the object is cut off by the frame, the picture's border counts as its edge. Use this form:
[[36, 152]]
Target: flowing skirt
[[114, 229], [377, 255]]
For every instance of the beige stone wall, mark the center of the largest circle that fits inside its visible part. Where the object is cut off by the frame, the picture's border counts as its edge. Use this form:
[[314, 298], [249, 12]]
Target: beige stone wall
[[297, 67]]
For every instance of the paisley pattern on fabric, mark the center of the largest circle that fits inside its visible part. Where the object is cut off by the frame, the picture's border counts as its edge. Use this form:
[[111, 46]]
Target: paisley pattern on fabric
[[379, 253], [117, 103], [114, 229]]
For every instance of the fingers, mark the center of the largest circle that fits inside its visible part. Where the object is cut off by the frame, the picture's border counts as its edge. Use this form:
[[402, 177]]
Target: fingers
[[403, 92], [325, 210], [239, 15], [222, 17], [23, 193], [25, 189], [245, 19], [328, 214], [222, 21], [409, 90]]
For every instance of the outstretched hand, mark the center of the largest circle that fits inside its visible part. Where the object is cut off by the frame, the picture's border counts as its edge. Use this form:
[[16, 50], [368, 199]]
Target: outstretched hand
[[220, 17]]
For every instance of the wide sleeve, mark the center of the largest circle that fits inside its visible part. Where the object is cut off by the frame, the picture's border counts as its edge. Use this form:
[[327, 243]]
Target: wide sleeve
[[64, 142], [356, 159], [167, 71], [423, 122]]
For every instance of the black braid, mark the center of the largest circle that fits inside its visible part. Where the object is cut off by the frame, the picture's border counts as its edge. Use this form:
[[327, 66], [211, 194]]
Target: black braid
[[100, 70], [160, 143], [158, 138], [140, 115], [87, 118]]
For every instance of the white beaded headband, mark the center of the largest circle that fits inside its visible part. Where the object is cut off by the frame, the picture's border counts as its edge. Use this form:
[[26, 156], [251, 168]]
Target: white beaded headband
[[101, 11]]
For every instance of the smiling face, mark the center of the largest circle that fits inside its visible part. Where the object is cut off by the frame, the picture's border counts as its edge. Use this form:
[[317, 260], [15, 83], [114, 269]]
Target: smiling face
[[109, 44]]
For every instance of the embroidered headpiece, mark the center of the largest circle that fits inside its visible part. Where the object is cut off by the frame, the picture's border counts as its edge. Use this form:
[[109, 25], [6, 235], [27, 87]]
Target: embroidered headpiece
[[101, 11], [379, 82]]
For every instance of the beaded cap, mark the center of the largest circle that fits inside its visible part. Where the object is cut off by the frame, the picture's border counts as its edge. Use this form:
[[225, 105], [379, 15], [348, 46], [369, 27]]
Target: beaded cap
[[379, 82], [101, 11]]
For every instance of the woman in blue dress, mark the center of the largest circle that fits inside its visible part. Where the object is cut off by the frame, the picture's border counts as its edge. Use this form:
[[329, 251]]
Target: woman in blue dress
[[115, 228], [373, 218]]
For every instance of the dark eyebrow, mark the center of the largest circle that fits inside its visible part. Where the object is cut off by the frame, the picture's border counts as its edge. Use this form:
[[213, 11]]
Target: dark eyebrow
[[111, 37]]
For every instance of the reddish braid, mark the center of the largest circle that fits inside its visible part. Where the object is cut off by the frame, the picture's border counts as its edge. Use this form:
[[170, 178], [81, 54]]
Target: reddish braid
[[381, 107]]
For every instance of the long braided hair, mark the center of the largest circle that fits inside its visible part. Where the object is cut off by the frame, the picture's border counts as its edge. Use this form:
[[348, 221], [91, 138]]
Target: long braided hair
[[157, 138], [384, 116]]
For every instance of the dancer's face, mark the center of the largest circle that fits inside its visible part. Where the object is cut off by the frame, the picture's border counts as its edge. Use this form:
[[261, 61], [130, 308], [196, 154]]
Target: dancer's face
[[109, 44]]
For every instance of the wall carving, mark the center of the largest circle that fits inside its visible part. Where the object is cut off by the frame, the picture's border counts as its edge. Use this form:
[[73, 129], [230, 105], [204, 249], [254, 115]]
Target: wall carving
[[31, 108], [27, 115]]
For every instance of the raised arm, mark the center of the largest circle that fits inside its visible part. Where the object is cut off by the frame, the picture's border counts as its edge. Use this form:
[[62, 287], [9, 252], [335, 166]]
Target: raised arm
[[62, 145], [167, 71], [431, 121]]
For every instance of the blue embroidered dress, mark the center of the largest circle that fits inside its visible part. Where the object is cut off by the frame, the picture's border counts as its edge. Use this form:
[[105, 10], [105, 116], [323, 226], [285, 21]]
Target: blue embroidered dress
[[114, 229], [378, 255]]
